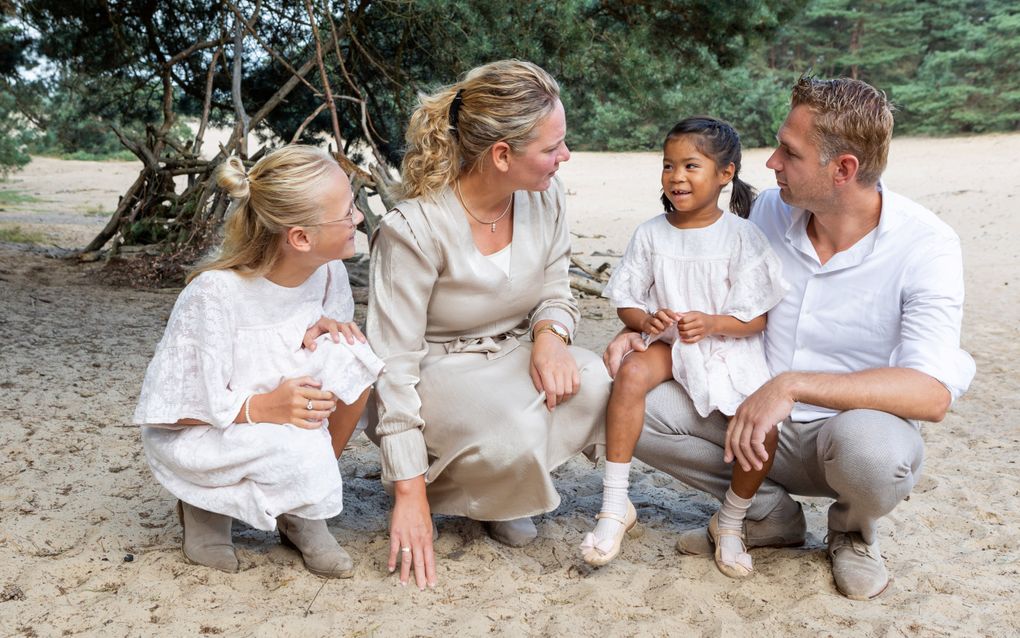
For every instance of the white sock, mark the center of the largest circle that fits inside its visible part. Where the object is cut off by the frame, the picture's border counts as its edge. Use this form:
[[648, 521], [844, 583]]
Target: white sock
[[733, 510], [615, 485], [731, 516]]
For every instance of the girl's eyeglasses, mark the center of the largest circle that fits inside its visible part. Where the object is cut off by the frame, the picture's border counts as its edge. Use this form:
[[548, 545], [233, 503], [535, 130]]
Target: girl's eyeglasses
[[346, 219]]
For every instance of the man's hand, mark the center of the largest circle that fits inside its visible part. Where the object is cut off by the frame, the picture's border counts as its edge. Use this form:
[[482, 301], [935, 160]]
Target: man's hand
[[745, 436], [622, 344]]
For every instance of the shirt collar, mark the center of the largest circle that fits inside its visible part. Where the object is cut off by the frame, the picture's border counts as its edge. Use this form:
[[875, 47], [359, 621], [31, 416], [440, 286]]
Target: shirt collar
[[889, 218]]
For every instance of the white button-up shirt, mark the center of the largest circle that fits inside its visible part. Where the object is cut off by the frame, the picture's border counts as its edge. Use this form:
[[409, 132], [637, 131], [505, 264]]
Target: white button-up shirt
[[894, 299]]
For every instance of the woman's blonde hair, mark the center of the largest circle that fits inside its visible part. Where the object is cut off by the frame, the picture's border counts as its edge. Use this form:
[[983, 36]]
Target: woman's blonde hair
[[276, 194], [453, 129]]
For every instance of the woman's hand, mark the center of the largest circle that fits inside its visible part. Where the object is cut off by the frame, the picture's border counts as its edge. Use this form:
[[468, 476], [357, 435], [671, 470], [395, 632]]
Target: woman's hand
[[658, 322], [298, 401], [694, 326], [553, 369], [350, 331], [411, 533]]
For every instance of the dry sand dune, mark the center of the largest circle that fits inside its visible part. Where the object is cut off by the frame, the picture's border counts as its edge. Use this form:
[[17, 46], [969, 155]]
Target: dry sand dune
[[89, 544]]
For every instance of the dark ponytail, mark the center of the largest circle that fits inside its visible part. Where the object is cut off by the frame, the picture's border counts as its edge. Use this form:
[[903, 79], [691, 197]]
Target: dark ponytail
[[741, 197], [719, 141]]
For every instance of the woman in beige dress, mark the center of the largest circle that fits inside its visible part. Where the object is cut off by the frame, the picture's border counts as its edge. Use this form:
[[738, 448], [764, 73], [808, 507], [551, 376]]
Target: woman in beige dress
[[471, 310]]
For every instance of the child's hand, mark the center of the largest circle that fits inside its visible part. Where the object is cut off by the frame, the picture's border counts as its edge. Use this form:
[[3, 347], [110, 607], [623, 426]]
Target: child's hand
[[334, 328], [299, 401], [694, 326], [656, 323]]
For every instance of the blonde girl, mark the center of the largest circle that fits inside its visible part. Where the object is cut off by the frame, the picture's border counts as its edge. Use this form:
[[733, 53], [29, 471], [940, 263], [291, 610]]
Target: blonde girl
[[252, 394]]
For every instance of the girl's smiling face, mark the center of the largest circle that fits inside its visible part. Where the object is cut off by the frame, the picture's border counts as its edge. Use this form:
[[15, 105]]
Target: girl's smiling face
[[334, 236], [692, 182]]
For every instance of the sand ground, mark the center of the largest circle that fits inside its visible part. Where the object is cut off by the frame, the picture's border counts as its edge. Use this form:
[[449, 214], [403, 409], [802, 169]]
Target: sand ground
[[89, 544]]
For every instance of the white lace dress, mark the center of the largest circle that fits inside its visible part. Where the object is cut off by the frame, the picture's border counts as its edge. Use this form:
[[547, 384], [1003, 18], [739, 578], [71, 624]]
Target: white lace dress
[[727, 268], [228, 337]]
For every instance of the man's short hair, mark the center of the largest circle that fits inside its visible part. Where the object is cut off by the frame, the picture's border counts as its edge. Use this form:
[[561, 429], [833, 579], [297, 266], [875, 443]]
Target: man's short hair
[[852, 117]]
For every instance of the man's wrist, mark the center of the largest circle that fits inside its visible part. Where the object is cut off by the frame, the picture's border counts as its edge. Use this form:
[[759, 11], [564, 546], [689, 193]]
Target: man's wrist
[[790, 385]]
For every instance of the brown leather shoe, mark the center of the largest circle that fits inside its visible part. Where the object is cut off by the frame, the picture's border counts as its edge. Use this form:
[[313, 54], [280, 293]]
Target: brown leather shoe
[[857, 567], [207, 538], [784, 526], [323, 556]]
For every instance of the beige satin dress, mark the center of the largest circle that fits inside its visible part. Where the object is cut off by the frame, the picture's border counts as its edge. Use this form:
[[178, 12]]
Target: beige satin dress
[[456, 401]]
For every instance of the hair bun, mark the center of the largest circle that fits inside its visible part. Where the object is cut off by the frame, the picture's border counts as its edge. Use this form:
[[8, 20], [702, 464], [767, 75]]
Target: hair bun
[[233, 178]]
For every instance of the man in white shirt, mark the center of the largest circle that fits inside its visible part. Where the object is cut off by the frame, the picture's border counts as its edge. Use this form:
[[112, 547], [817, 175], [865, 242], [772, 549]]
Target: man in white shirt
[[866, 343]]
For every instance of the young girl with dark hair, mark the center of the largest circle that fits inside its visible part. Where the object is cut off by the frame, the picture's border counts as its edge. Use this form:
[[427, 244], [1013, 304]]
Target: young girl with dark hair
[[697, 282]]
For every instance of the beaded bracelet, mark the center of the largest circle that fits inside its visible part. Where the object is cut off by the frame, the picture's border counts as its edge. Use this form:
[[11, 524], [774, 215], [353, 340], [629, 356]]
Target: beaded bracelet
[[247, 412]]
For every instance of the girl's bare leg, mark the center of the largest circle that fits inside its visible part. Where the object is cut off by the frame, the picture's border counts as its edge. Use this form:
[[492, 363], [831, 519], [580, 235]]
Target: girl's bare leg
[[746, 484], [639, 373], [343, 421], [625, 417], [732, 557]]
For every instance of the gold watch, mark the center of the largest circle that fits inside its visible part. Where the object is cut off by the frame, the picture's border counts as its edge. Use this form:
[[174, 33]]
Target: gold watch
[[556, 329]]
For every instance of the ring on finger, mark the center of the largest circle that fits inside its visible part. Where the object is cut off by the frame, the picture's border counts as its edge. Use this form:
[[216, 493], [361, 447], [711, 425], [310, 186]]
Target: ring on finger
[[406, 550], [308, 406]]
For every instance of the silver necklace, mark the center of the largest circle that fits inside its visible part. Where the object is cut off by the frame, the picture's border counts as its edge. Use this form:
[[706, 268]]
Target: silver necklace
[[492, 224]]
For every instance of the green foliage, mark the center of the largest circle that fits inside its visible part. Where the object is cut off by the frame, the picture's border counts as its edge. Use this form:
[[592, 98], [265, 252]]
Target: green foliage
[[628, 70], [950, 66], [14, 137], [17, 235], [16, 197]]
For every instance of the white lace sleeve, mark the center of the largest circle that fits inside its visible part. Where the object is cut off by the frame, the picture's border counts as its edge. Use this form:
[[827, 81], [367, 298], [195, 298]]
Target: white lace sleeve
[[631, 283], [756, 277], [189, 376], [338, 303]]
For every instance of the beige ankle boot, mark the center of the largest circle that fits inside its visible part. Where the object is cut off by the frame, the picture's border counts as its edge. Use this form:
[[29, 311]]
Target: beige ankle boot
[[323, 556], [515, 533], [207, 538]]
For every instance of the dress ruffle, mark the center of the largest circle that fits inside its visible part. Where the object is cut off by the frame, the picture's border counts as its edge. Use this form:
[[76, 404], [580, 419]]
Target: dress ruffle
[[727, 268]]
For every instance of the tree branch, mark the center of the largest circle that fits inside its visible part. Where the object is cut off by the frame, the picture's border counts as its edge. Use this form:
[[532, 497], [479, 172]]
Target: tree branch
[[243, 121], [322, 74]]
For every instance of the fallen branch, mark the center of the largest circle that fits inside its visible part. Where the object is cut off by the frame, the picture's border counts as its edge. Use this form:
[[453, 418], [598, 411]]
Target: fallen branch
[[586, 286]]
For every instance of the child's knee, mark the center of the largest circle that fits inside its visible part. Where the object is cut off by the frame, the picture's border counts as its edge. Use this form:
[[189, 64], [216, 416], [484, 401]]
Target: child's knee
[[632, 377]]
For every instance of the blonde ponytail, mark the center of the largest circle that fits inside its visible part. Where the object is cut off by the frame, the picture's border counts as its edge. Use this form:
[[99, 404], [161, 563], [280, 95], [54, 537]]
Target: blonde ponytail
[[499, 101], [278, 193]]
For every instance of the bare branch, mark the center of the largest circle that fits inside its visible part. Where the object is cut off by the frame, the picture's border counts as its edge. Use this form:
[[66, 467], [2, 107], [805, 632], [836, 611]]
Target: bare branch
[[586, 286], [126, 201], [268, 49], [279, 96], [588, 270], [196, 147], [364, 52], [243, 121], [322, 74], [141, 152], [306, 122], [198, 46]]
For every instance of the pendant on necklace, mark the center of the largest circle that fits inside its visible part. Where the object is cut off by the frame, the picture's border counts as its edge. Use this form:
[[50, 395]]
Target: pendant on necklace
[[493, 226]]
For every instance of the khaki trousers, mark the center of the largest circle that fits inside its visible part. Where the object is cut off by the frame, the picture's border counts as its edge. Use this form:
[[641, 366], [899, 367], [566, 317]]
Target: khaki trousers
[[868, 461]]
